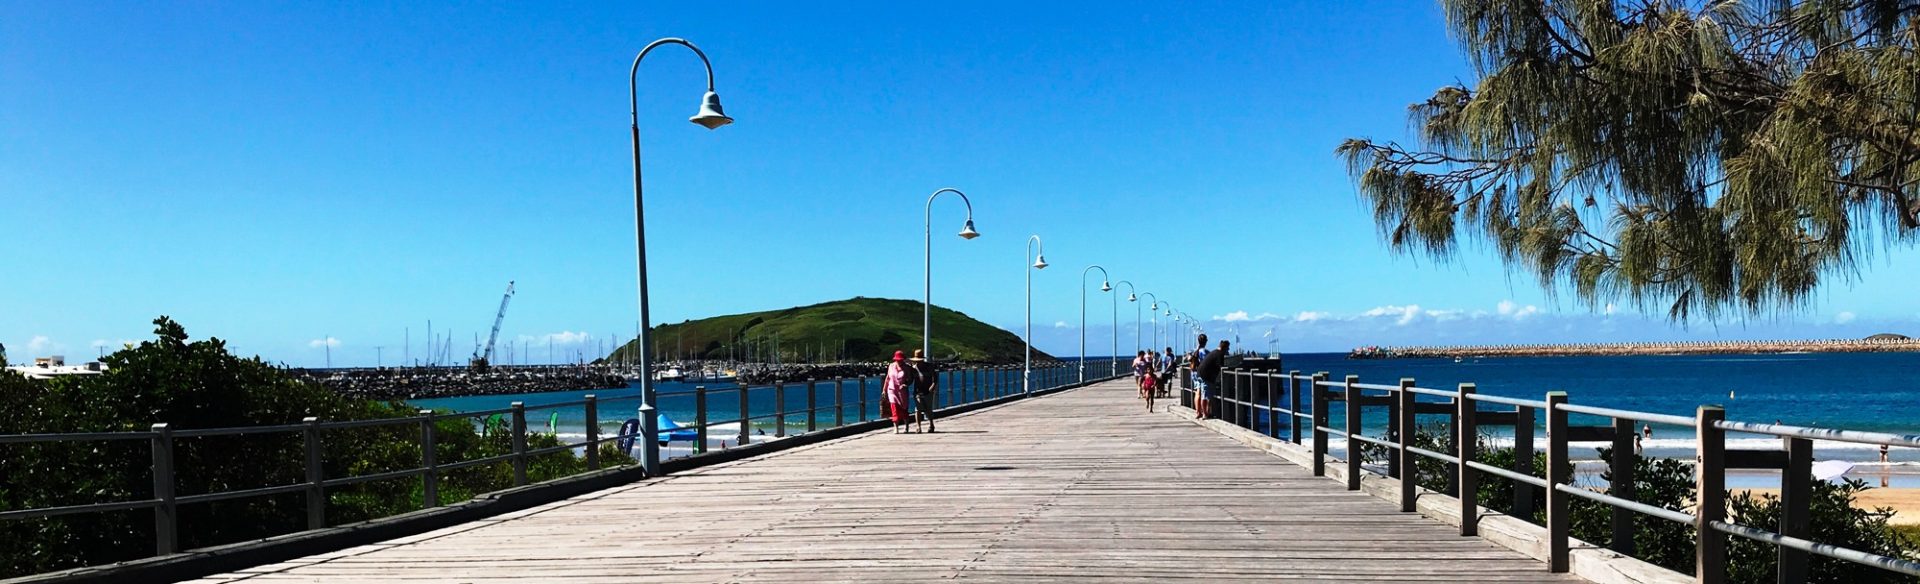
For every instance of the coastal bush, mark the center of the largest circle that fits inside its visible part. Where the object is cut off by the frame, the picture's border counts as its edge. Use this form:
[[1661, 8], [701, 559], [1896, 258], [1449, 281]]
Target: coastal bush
[[1669, 483], [199, 384]]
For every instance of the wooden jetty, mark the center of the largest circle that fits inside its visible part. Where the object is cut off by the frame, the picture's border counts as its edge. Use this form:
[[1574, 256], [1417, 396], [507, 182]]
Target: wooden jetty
[[1079, 486]]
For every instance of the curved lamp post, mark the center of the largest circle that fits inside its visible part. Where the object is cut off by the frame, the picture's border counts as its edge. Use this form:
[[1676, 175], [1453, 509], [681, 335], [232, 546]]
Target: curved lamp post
[[1153, 311], [1039, 263], [926, 304], [1135, 299], [1104, 287], [710, 117]]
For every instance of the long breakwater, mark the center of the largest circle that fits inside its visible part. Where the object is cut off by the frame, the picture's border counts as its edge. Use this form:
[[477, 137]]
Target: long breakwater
[[1891, 344]]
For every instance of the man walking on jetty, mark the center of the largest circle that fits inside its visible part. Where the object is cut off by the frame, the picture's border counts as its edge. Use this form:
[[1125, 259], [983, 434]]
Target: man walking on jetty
[[1201, 397], [926, 385], [1209, 369]]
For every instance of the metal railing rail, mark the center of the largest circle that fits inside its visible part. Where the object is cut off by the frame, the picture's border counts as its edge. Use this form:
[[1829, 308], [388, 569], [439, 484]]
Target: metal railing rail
[[958, 387], [1270, 402]]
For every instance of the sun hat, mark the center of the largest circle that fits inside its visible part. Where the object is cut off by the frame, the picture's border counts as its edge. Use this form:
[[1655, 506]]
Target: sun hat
[[899, 356], [917, 355]]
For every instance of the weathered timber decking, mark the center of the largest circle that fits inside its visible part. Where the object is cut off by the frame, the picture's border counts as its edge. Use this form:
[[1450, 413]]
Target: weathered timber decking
[[1082, 486]]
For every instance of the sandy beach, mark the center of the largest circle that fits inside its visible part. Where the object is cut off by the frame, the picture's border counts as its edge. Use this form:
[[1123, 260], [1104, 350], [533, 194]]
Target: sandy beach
[[1905, 502]]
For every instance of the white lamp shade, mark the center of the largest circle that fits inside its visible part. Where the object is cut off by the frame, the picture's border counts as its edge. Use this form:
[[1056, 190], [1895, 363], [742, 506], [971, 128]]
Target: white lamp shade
[[711, 116]]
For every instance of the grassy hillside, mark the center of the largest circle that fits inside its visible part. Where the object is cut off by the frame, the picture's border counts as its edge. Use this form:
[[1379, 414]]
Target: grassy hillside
[[860, 329]]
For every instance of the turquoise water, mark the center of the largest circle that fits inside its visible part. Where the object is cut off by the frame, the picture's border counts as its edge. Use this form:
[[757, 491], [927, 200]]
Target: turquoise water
[[1858, 391]]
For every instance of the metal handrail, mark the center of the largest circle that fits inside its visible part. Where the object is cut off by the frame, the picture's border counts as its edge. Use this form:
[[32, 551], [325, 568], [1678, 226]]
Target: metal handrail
[[1630, 415], [962, 386], [1244, 413]]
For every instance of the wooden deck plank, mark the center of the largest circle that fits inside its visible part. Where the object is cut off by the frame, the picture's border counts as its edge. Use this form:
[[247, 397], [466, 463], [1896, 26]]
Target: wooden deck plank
[[1082, 485]]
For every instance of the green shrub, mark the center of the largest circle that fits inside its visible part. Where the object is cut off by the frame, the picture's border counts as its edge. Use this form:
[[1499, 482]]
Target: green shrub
[[199, 384]]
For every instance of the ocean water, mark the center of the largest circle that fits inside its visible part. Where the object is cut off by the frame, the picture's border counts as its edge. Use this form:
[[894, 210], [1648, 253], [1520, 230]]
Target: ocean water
[[1857, 391]]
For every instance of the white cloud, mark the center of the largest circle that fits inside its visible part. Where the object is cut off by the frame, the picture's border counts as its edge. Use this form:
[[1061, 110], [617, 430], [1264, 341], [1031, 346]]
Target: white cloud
[[1843, 318], [40, 344], [1510, 309], [1611, 309], [1235, 316], [1061, 324], [559, 338], [326, 342], [1310, 316], [1405, 314]]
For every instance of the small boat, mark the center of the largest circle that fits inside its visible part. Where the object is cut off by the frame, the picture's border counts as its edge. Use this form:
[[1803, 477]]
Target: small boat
[[670, 374]]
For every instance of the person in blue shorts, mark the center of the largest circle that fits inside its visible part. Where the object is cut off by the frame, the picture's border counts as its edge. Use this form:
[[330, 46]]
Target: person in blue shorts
[[1202, 398]]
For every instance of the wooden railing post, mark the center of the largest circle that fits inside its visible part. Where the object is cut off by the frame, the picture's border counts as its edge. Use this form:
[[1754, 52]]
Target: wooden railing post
[[1469, 441], [779, 409], [430, 466], [166, 514], [1293, 405], [1710, 473], [1409, 468], [862, 398], [746, 415], [519, 441], [1320, 420], [700, 419], [1273, 403], [1559, 517], [316, 493], [593, 432], [1353, 408], [813, 390], [1796, 495], [1523, 427], [1621, 485]]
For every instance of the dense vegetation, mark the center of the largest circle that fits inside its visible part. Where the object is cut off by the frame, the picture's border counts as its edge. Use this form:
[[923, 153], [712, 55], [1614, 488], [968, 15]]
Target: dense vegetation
[[1706, 157], [1669, 484], [198, 384], [858, 329]]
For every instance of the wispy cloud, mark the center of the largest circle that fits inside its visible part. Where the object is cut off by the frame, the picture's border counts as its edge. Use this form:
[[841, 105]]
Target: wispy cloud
[[1061, 324], [559, 338], [1244, 316], [1843, 318], [326, 342], [1310, 316], [40, 344], [1509, 309]]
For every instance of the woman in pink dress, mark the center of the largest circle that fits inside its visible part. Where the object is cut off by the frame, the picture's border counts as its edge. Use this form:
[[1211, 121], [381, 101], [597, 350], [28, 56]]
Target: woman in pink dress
[[894, 390]]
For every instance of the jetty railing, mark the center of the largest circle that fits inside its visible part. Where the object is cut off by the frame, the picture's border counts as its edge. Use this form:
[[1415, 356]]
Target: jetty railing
[[959, 387], [1297, 408]]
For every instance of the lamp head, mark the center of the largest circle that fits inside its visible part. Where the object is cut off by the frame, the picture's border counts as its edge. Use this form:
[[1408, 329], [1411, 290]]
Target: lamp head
[[1105, 287], [711, 116], [967, 232], [1154, 306], [1040, 262], [1132, 298]]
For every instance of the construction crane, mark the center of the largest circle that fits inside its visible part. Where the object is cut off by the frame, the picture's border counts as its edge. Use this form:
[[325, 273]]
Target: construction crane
[[481, 359]]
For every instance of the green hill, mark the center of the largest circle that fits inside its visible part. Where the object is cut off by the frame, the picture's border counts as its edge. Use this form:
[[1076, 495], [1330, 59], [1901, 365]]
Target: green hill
[[860, 329]]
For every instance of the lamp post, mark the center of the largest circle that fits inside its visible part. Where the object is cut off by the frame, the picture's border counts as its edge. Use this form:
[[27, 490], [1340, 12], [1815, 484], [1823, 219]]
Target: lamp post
[[1153, 310], [710, 117], [1131, 298], [1039, 263], [1104, 287], [926, 304]]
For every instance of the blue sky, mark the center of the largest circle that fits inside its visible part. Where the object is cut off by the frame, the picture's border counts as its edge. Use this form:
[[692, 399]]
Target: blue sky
[[281, 175]]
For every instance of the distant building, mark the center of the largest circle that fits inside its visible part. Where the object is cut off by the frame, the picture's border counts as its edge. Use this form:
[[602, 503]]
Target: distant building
[[1888, 337], [56, 366]]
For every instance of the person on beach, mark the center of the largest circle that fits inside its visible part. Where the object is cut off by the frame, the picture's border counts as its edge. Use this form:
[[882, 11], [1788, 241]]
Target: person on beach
[[1201, 397], [1209, 370], [926, 385], [894, 391]]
